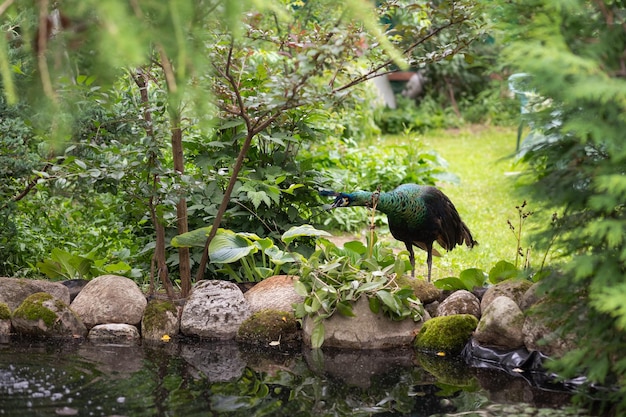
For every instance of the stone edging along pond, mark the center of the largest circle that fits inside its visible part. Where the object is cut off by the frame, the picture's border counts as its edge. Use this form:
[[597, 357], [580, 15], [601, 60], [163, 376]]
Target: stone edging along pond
[[113, 308]]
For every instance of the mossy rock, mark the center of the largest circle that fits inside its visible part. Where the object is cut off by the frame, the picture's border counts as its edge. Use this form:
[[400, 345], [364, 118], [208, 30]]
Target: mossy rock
[[32, 309], [5, 312], [425, 291], [270, 328], [155, 315], [447, 334]]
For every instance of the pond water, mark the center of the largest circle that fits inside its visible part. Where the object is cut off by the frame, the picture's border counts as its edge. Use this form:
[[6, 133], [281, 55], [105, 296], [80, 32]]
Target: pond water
[[192, 378]]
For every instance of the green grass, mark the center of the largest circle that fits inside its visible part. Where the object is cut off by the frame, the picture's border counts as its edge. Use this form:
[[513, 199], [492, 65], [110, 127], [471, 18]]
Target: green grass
[[485, 195]]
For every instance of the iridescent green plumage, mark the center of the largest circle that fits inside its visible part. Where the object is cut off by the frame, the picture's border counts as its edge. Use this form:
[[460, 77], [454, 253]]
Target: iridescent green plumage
[[418, 216]]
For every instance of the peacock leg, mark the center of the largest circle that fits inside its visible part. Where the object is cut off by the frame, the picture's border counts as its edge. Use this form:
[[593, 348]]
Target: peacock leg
[[409, 247], [429, 258]]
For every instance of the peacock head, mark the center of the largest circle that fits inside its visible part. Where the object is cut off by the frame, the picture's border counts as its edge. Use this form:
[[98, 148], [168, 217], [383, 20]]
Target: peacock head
[[359, 198]]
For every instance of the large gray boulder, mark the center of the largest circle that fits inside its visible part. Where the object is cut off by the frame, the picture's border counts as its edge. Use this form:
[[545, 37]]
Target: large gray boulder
[[41, 314], [273, 293], [501, 325], [459, 302], [110, 299], [214, 310], [364, 331], [13, 291]]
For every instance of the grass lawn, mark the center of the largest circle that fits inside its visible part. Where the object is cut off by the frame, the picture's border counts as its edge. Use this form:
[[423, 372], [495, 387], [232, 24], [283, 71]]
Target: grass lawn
[[485, 195]]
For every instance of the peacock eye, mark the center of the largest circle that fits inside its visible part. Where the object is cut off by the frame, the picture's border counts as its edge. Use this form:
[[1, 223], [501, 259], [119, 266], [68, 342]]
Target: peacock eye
[[346, 201]]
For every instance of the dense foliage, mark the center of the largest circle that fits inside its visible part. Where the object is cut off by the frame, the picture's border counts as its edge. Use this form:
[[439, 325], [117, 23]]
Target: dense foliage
[[573, 53], [132, 135]]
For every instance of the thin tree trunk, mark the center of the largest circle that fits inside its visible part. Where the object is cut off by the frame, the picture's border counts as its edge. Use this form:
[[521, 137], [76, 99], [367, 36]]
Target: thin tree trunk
[[184, 263], [159, 250]]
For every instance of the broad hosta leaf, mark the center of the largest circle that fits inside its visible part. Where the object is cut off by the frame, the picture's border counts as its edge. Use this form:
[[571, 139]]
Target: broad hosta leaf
[[227, 247], [355, 246], [449, 283], [195, 238], [473, 277], [501, 271], [278, 256], [304, 230]]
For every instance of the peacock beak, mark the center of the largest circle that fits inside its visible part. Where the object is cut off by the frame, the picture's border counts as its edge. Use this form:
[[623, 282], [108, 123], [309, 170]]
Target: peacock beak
[[339, 202]]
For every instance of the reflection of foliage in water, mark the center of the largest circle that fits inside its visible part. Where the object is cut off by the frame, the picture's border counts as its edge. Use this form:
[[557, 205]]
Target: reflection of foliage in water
[[173, 379]]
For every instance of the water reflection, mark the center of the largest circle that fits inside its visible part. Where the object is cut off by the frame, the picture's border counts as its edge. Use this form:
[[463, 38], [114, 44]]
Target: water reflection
[[200, 379]]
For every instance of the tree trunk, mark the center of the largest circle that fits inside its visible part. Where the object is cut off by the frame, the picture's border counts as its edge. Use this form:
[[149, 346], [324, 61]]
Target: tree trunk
[[159, 251], [184, 263]]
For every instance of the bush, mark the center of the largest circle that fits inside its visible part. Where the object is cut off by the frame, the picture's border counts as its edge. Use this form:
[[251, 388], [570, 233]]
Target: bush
[[574, 54]]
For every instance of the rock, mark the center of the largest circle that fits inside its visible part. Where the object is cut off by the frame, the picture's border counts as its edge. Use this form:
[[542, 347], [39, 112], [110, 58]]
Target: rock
[[531, 296], [501, 325], [546, 337], [13, 291], [364, 331], [110, 299], [5, 320], [274, 293], [511, 288], [447, 334], [215, 310], [460, 302], [218, 361], [270, 328], [41, 314], [114, 333], [74, 286], [425, 291], [160, 318]]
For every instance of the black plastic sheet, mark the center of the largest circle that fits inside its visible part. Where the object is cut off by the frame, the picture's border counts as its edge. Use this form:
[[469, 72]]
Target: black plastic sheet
[[522, 363]]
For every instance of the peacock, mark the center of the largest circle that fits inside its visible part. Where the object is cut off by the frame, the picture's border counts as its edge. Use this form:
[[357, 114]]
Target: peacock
[[417, 215]]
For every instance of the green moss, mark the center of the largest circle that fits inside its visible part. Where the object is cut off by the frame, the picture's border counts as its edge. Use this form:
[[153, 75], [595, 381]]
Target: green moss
[[447, 334], [267, 326], [5, 312], [155, 313], [32, 309]]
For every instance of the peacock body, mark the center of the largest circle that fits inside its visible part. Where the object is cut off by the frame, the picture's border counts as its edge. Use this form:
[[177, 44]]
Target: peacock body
[[417, 215]]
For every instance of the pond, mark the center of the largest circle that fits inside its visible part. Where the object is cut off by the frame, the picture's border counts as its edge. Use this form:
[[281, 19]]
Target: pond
[[199, 378]]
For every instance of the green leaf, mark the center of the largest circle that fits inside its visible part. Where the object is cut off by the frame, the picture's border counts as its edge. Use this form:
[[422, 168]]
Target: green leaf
[[291, 188], [389, 300], [278, 256], [449, 283], [472, 277], [228, 246], [374, 305], [196, 238], [345, 308], [370, 286], [304, 230], [355, 246], [300, 288], [501, 271], [317, 335], [264, 272]]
